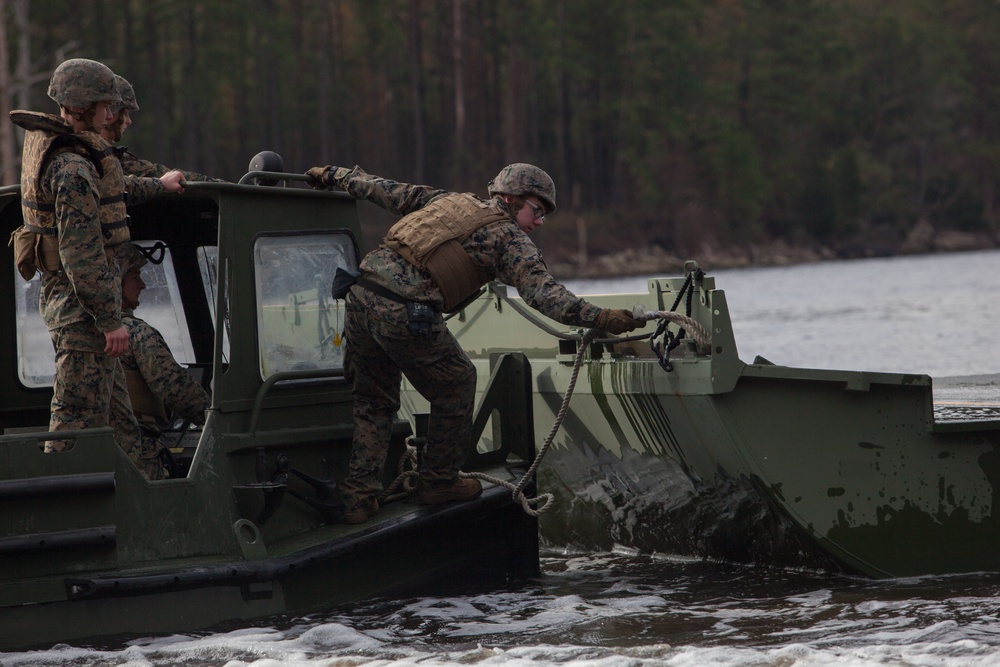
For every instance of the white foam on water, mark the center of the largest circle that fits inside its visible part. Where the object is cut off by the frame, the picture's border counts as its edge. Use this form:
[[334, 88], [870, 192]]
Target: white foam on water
[[333, 645]]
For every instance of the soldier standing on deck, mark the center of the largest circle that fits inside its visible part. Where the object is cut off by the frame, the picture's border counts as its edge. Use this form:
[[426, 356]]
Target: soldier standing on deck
[[434, 260], [73, 198]]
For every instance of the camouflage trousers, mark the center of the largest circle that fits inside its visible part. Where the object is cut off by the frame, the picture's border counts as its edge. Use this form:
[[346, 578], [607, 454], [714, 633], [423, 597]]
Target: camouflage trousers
[[89, 391], [380, 350]]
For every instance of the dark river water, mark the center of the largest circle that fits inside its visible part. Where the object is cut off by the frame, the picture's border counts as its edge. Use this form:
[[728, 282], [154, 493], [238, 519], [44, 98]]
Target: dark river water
[[937, 315]]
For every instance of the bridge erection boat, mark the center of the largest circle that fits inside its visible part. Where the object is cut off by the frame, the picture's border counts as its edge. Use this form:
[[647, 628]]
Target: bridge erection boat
[[688, 450], [250, 524]]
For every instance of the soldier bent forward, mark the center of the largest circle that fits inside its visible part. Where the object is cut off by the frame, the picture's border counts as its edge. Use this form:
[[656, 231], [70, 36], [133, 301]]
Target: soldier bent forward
[[434, 260]]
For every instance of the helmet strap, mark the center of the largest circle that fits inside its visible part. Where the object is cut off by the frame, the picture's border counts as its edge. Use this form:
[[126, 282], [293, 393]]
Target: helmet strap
[[513, 203], [85, 117], [117, 126], [88, 117]]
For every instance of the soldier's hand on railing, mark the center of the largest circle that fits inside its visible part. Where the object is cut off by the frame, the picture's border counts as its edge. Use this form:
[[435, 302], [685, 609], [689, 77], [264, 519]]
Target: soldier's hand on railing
[[173, 181], [317, 177]]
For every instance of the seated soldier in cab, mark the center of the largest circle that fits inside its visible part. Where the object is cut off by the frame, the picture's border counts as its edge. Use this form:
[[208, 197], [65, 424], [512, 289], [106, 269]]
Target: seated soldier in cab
[[158, 387]]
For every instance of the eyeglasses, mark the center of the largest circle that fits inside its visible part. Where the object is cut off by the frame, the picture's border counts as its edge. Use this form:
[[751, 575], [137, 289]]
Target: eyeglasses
[[539, 211]]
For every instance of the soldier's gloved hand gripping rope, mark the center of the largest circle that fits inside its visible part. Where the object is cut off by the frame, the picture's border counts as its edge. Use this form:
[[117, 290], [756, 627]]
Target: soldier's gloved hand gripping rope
[[616, 321]]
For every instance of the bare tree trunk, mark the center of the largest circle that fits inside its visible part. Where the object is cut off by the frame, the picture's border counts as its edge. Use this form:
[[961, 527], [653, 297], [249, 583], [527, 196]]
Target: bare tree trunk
[[159, 116], [318, 154], [417, 91], [342, 136], [128, 43], [190, 130], [459, 74], [331, 130], [296, 155], [512, 86], [615, 154], [8, 151], [242, 85], [15, 88], [23, 77], [272, 80], [563, 143]]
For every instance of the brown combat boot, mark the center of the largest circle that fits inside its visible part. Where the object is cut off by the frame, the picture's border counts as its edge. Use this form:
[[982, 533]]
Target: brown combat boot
[[464, 488], [362, 512]]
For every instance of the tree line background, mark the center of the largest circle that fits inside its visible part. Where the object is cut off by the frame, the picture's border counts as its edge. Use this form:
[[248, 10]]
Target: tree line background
[[675, 124]]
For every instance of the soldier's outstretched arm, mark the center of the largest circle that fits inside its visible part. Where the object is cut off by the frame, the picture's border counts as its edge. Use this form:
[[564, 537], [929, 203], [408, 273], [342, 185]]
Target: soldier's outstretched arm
[[393, 196]]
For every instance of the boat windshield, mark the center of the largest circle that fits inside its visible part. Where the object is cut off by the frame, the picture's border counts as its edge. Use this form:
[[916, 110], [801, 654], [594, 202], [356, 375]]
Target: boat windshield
[[160, 306], [300, 326]]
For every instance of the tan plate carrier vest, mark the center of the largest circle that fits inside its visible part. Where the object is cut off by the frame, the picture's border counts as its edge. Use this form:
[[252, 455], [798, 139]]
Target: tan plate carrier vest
[[147, 406], [36, 243], [431, 238]]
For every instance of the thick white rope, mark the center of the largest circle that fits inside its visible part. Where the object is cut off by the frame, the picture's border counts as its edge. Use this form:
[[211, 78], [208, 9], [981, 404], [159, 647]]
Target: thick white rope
[[702, 339], [531, 506]]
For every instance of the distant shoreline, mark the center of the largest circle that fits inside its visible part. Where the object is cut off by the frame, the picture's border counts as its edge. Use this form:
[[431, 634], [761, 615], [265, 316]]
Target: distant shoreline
[[652, 259], [645, 257]]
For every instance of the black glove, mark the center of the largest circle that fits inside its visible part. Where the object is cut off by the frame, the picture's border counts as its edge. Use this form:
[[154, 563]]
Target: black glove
[[317, 176], [616, 321]]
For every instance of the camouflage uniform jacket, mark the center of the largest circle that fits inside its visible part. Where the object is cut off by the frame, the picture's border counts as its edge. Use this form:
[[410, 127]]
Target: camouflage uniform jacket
[[136, 166], [84, 299], [150, 357], [499, 250]]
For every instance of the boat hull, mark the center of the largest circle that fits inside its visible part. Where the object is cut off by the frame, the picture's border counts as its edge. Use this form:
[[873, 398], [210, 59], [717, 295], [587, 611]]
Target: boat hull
[[250, 522], [756, 463], [455, 546]]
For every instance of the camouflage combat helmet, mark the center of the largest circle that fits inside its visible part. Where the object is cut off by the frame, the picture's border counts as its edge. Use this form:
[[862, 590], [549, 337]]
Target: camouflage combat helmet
[[130, 258], [80, 82], [127, 94], [525, 179]]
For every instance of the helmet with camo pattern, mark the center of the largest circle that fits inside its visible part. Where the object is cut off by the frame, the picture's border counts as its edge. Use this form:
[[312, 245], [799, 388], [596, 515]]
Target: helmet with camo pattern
[[522, 179], [79, 82], [127, 94], [130, 258]]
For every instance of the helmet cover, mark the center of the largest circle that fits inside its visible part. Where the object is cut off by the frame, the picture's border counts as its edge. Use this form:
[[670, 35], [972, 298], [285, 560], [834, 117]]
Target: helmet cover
[[522, 179], [79, 82], [130, 258], [127, 96]]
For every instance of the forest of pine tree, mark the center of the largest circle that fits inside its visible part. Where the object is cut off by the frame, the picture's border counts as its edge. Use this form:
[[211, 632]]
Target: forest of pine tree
[[855, 126]]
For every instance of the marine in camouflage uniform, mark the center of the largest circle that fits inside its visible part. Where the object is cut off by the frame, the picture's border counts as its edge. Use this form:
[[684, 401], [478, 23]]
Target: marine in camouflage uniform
[[73, 187], [158, 386], [115, 130], [485, 240]]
